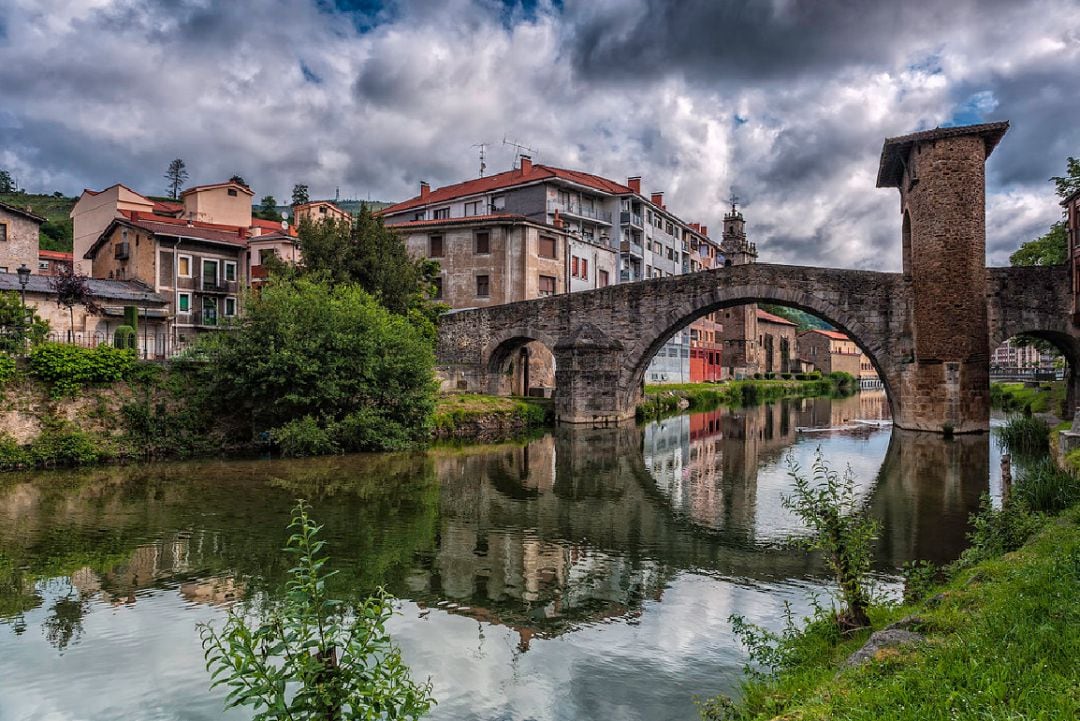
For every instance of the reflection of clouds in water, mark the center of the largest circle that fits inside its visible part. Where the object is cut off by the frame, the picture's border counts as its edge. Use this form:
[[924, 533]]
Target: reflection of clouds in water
[[683, 642]]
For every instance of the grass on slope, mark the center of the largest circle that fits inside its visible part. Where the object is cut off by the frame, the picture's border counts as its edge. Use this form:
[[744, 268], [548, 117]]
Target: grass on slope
[[56, 232]]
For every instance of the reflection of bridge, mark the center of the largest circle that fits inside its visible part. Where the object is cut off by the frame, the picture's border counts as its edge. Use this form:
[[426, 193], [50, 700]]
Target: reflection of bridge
[[927, 330]]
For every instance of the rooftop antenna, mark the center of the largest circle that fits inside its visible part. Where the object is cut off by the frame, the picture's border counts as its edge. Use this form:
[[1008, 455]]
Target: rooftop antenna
[[518, 147], [337, 194], [483, 164]]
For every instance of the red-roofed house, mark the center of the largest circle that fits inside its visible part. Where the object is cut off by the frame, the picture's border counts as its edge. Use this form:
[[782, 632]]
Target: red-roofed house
[[51, 262], [831, 350], [777, 342], [612, 233]]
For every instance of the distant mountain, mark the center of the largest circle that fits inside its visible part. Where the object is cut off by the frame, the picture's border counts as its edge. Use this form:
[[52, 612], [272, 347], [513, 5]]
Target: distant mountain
[[804, 320], [56, 232]]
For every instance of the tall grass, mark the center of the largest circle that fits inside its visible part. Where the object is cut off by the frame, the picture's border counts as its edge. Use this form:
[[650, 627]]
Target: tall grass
[[1042, 486], [1025, 436]]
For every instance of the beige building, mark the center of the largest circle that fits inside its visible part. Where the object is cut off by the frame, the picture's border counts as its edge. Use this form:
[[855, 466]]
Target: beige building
[[18, 238], [832, 351], [776, 343], [96, 209], [225, 203], [319, 210], [196, 268], [112, 296]]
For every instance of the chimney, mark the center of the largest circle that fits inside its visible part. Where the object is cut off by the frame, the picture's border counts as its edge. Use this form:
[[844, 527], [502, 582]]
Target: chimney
[[705, 230], [658, 199], [526, 164], [425, 189], [557, 222], [696, 227], [634, 183]]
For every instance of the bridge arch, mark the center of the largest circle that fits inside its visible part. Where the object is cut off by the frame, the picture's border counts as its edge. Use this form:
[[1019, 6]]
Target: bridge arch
[[516, 358], [1062, 339], [661, 329]]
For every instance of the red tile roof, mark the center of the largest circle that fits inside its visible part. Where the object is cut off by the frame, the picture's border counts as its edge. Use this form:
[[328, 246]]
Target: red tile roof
[[509, 179], [491, 217], [208, 186], [833, 334], [163, 206], [770, 318], [55, 255], [196, 231]]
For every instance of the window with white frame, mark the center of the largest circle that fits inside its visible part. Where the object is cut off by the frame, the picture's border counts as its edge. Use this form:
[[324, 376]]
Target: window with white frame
[[230, 271], [183, 302], [441, 214], [230, 307], [183, 266]]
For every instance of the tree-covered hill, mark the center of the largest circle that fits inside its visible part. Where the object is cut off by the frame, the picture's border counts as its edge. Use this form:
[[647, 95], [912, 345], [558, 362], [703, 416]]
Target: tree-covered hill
[[56, 231]]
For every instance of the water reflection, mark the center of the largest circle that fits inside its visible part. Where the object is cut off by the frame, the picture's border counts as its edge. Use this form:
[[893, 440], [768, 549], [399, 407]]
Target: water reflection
[[587, 573]]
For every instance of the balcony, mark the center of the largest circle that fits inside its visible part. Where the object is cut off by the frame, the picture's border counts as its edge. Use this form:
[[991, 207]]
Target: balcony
[[213, 285], [580, 211], [633, 219], [631, 248]]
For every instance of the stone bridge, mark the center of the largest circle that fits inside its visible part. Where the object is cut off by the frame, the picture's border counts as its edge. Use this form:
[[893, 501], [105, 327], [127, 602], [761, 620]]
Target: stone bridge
[[928, 330]]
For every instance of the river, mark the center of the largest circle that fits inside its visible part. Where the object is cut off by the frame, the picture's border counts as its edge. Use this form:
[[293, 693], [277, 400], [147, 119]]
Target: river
[[585, 574]]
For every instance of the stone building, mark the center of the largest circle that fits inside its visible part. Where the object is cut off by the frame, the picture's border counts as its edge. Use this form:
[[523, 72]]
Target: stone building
[[18, 238], [318, 210], [52, 262], [741, 350], [602, 218], [1072, 229], [776, 343], [831, 351]]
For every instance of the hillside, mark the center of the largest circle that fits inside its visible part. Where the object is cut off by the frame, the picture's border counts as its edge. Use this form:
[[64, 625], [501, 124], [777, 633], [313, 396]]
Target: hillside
[[804, 320], [56, 232]]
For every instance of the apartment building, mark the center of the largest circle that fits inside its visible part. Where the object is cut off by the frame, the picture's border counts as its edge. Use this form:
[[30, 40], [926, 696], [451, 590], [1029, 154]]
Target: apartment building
[[613, 234]]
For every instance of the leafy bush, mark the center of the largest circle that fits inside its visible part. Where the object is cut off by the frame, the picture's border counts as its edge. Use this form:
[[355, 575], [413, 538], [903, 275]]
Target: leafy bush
[[757, 376], [1025, 435], [313, 657], [996, 531], [919, 578], [1044, 487], [334, 354], [19, 328], [304, 437], [12, 455], [840, 529], [7, 368], [157, 429], [840, 379], [124, 337], [60, 445], [69, 367]]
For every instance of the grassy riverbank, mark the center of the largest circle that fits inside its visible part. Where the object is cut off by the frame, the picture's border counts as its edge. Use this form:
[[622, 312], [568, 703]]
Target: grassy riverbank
[[1001, 643], [1046, 397], [672, 397], [1000, 627], [474, 416]]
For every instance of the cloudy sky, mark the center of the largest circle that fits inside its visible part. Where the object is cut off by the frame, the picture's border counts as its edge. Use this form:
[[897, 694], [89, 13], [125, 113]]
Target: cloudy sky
[[786, 101]]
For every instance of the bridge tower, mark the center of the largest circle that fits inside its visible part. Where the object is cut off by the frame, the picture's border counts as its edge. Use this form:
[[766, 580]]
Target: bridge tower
[[741, 356], [944, 382]]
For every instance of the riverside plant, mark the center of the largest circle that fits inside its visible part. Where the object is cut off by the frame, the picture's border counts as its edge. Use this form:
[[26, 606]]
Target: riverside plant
[[313, 658]]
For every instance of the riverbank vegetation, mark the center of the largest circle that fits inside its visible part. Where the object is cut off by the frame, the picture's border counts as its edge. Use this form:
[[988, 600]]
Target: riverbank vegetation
[[1044, 397], [670, 398], [993, 635]]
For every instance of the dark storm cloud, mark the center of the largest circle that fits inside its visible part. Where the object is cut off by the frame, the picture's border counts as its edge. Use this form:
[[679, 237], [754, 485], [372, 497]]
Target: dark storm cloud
[[748, 40]]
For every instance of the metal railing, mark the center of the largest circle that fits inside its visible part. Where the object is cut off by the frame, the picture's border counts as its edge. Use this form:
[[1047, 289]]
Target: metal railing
[[156, 344], [572, 208], [628, 218]]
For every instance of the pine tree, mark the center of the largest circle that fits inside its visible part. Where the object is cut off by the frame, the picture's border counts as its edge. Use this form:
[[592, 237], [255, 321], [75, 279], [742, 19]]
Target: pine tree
[[177, 175]]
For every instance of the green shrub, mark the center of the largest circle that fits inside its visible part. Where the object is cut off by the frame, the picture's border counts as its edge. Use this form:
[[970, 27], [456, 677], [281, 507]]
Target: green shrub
[[61, 445], [8, 369], [770, 376], [1025, 435], [304, 437], [371, 429], [1072, 461], [124, 337], [786, 376], [919, 578], [749, 393], [69, 367], [12, 455], [757, 376], [1042, 486], [997, 531]]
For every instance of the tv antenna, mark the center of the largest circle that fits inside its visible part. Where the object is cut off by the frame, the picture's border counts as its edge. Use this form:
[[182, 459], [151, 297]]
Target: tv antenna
[[518, 148], [483, 164]]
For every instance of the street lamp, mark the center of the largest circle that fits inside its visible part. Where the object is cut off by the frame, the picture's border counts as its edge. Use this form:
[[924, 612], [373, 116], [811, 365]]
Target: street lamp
[[24, 278]]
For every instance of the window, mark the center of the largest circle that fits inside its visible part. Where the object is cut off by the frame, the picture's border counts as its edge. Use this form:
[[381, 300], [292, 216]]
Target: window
[[472, 208], [585, 268], [670, 254], [498, 202], [322, 209], [547, 247], [3, 269], [483, 288], [441, 214], [183, 302], [483, 242], [230, 270], [209, 272], [574, 266], [266, 254], [209, 311], [43, 265], [232, 192], [435, 249], [419, 216], [3, 235], [602, 279], [547, 285], [437, 282], [183, 267], [230, 307]]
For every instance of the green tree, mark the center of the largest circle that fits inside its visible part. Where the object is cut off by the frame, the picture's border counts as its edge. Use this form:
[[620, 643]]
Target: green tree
[[1069, 183], [1051, 248], [19, 326], [269, 208], [7, 183], [177, 175], [239, 180], [840, 529], [321, 367], [313, 658], [300, 194], [368, 253]]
